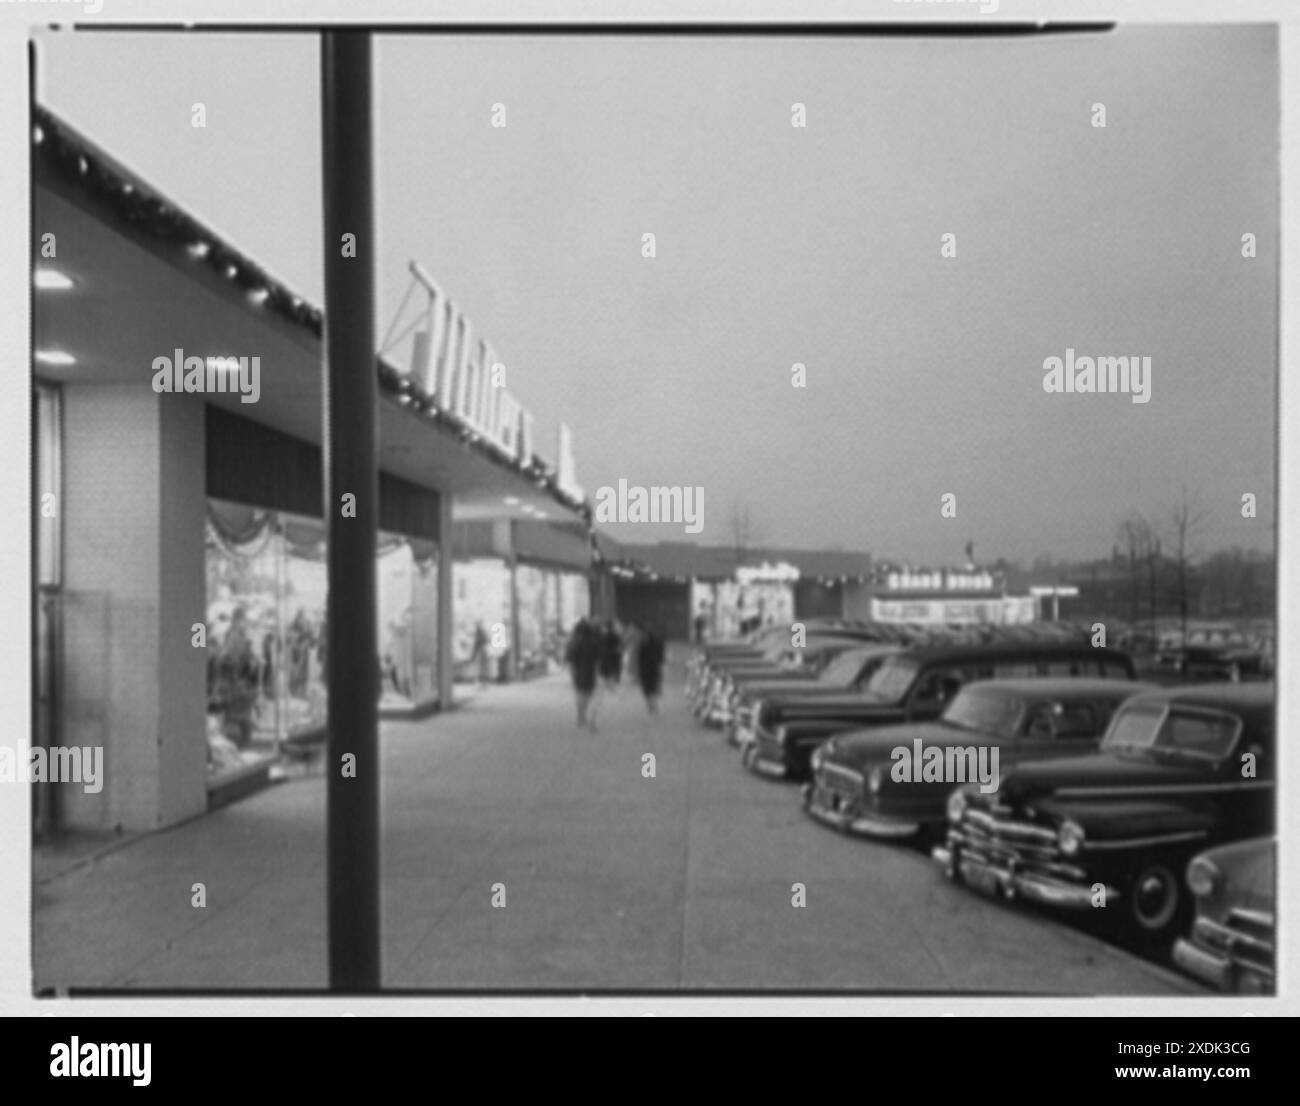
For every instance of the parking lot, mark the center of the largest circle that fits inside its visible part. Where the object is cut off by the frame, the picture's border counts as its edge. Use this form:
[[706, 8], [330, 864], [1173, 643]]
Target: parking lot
[[611, 880]]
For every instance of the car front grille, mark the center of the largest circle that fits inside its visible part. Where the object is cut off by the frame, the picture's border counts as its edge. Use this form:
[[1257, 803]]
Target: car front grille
[[1245, 937], [1012, 842], [768, 747], [840, 780]]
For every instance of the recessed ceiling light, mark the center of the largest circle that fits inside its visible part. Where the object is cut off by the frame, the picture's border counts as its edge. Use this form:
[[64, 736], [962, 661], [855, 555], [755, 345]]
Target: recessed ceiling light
[[222, 364], [52, 280], [55, 357]]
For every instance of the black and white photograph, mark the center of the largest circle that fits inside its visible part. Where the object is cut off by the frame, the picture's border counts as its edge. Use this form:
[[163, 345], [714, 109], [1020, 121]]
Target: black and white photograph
[[666, 510]]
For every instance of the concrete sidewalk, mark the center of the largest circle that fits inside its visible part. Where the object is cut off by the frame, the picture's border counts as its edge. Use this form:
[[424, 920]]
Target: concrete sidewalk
[[612, 880]]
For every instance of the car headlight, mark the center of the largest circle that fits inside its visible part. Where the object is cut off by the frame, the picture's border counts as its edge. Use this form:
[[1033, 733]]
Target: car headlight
[[956, 806], [780, 734], [875, 778], [818, 755], [1203, 878], [1069, 837]]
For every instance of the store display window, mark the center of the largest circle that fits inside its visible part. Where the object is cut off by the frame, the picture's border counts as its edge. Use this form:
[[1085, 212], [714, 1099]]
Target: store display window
[[267, 636]]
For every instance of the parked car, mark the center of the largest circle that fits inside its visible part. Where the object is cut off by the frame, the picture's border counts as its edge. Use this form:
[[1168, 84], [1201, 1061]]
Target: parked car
[[763, 650], [865, 781], [1210, 653], [1233, 938], [801, 664], [848, 670], [912, 686], [1179, 770]]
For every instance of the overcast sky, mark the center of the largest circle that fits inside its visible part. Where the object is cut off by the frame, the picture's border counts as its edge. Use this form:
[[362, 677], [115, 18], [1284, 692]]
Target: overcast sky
[[779, 245]]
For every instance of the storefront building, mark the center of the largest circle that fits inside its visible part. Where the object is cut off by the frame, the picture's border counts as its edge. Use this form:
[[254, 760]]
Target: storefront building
[[941, 597], [686, 589], [534, 581], [179, 606]]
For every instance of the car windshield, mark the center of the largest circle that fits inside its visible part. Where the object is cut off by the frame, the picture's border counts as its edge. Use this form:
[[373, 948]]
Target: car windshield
[[843, 668], [1180, 732], [985, 709], [891, 680]]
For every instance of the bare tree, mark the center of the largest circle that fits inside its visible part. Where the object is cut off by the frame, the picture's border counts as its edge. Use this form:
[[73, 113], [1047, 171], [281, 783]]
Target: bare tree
[[1185, 521], [1138, 543], [745, 531]]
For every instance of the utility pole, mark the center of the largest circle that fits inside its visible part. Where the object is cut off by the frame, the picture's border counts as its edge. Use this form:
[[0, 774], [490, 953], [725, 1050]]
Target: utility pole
[[351, 515]]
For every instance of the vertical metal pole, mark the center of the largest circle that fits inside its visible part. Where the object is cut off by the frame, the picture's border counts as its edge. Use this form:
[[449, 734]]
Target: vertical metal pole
[[514, 662], [279, 685], [352, 667], [446, 597]]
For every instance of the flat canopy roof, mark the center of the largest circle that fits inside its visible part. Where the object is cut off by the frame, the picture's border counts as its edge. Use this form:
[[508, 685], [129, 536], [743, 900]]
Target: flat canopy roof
[[686, 560], [148, 279]]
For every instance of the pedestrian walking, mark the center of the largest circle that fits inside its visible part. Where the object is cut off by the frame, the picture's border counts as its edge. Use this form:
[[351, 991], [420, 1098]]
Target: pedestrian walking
[[583, 659], [611, 656], [480, 656], [650, 667]]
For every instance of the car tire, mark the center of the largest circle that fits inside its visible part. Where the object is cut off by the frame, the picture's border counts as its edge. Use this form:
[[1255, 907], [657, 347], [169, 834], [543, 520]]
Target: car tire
[[1155, 901]]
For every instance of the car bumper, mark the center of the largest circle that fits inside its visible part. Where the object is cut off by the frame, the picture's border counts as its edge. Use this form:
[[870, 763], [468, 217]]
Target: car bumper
[[1219, 971], [717, 713], [765, 755], [855, 822], [765, 766], [1004, 882]]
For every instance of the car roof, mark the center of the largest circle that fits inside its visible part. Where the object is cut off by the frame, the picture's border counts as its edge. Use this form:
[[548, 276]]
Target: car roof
[[874, 649], [1020, 650], [1063, 687], [1253, 699], [824, 638]]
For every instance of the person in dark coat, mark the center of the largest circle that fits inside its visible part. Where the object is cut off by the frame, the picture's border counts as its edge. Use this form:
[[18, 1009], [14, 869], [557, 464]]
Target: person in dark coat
[[583, 659], [650, 667], [480, 656], [611, 655]]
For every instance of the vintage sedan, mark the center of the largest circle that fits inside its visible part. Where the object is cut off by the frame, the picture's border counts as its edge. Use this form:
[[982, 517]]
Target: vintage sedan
[[912, 686], [1179, 770], [850, 669], [1233, 939], [801, 665], [766, 654], [1210, 654], [894, 781]]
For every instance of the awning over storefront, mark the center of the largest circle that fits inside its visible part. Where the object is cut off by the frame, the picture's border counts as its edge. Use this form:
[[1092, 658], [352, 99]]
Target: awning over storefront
[[148, 280], [560, 547]]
